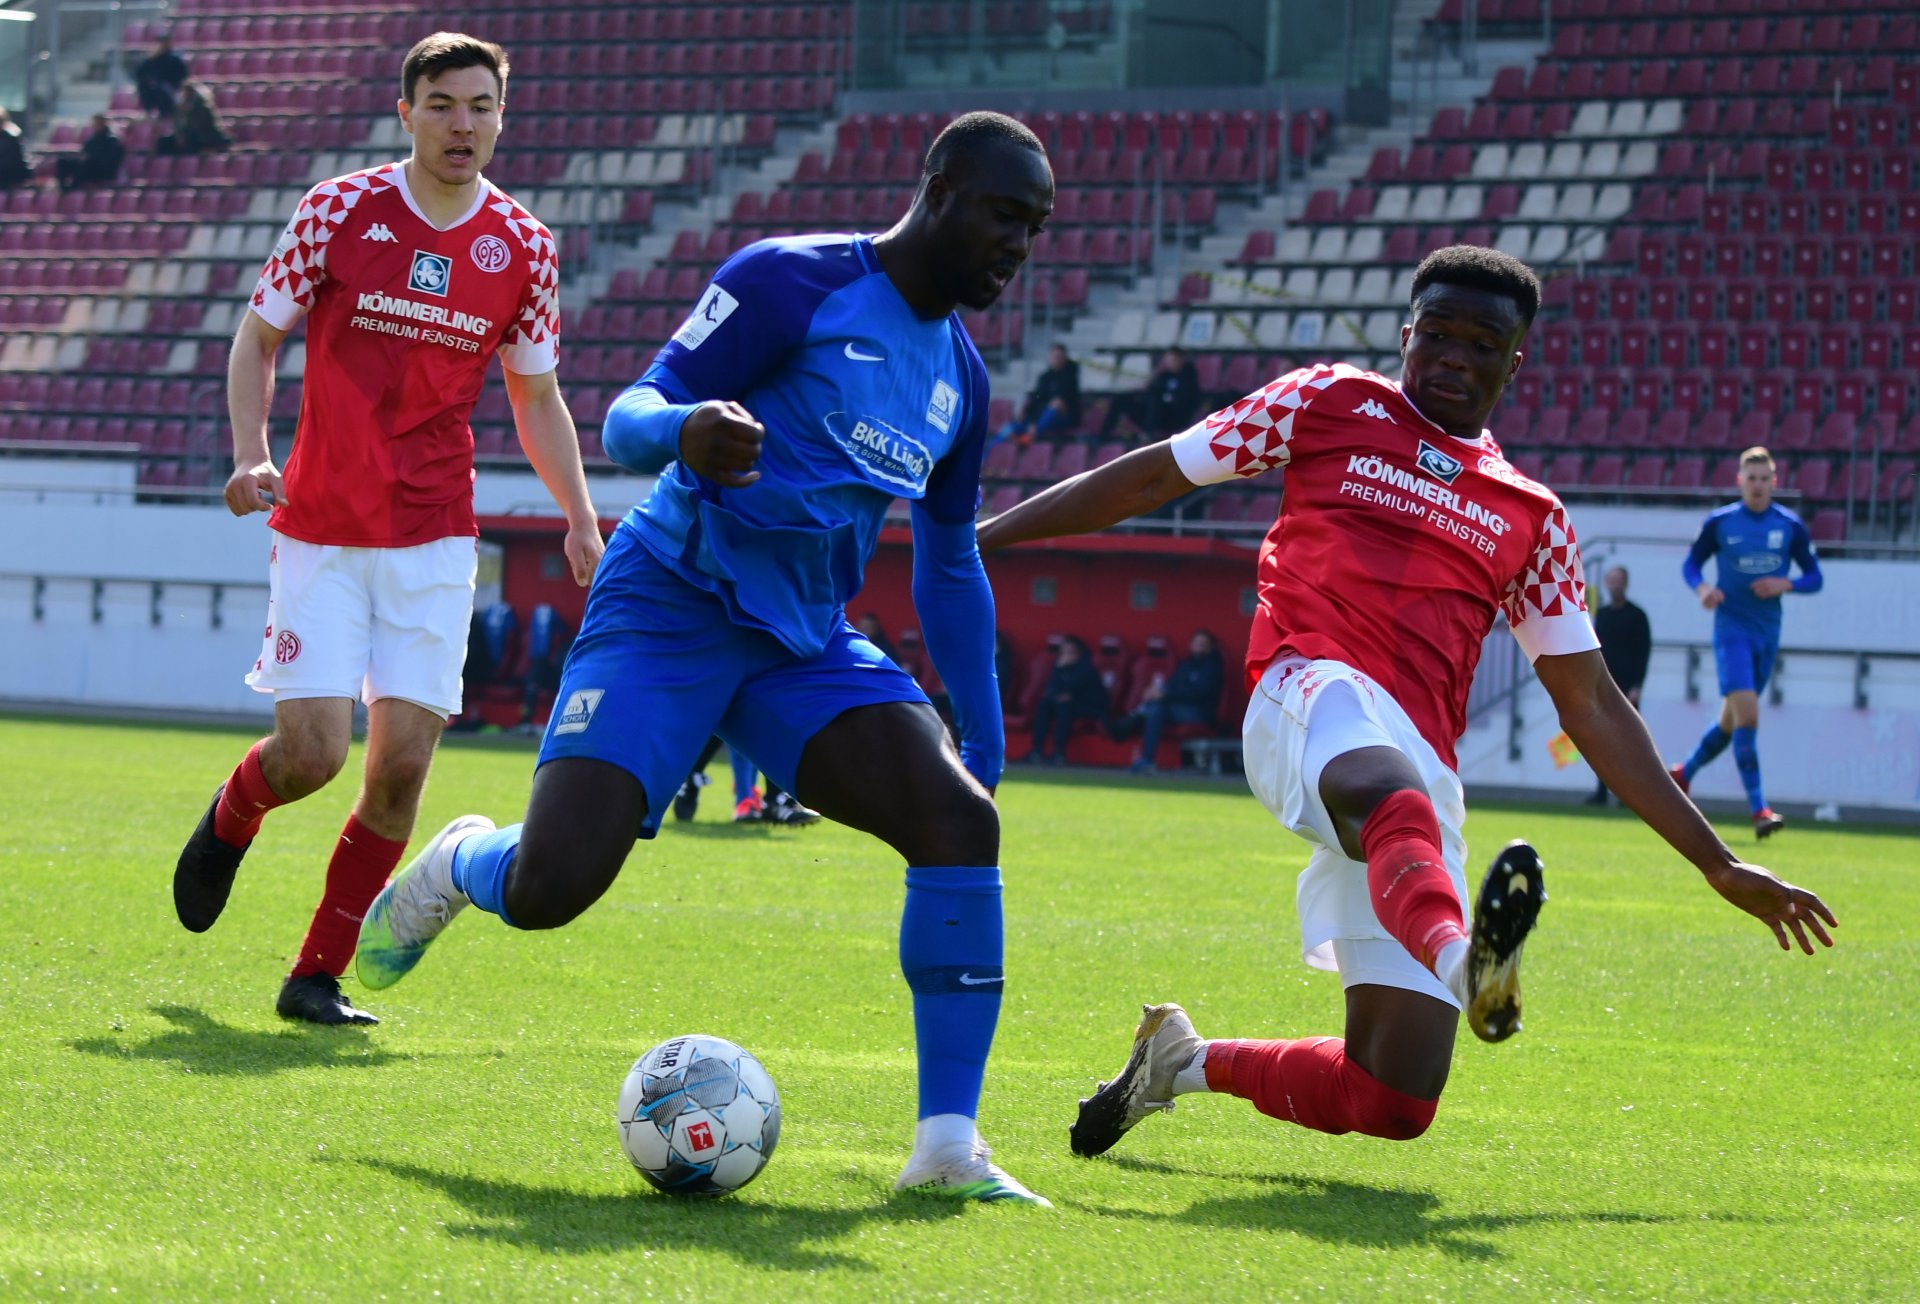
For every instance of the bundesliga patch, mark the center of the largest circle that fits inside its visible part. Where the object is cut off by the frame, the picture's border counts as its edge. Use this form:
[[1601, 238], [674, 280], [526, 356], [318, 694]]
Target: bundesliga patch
[[940, 410], [430, 273], [1438, 464], [715, 307]]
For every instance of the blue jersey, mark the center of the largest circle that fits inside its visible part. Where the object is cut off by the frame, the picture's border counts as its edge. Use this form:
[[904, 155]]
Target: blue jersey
[[863, 402], [1750, 546]]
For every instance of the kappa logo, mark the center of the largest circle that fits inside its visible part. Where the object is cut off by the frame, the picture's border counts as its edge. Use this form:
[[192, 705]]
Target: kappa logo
[[1437, 464], [946, 399], [1372, 408], [714, 308], [431, 273], [379, 234], [577, 714]]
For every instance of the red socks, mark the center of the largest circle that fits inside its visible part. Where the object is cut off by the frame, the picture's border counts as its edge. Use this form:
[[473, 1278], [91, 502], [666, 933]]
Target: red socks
[[361, 862], [1312, 1082], [1413, 895], [246, 800]]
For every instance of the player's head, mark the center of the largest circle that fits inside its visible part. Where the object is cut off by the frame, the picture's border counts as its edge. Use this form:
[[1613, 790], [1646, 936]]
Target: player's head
[[452, 90], [1756, 478], [985, 194], [1470, 313], [1616, 581]]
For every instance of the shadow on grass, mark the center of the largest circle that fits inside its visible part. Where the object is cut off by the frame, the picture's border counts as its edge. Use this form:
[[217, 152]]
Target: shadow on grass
[[198, 1043], [1351, 1213], [563, 1221]]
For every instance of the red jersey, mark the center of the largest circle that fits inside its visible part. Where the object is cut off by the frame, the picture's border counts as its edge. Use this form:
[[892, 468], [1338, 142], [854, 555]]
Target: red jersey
[[403, 318], [1397, 543]]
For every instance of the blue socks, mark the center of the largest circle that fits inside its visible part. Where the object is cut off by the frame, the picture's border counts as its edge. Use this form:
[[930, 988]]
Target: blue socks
[[1746, 755], [744, 773], [1712, 743], [480, 866], [952, 944]]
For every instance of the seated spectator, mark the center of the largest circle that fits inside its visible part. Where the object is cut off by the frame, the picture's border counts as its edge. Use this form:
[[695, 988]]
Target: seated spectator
[[1190, 695], [875, 633], [196, 124], [547, 641], [1073, 693], [14, 168], [159, 77], [1006, 669], [1052, 404], [98, 161], [1165, 405]]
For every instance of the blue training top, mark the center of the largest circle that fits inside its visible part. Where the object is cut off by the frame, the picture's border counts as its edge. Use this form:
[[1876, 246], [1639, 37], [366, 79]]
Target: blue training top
[[863, 402], [1752, 545]]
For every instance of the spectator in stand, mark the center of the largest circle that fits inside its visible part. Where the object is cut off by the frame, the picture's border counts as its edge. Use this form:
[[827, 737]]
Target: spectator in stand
[[1006, 668], [1166, 404], [548, 638], [196, 124], [98, 161], [875, 633], [14, 168], [1626, 645], [1190, 695], [1074, 692], [159, 78], [1052, 404]]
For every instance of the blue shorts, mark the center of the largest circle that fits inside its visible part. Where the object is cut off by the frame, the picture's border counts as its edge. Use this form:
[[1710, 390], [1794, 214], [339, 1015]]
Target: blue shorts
[[1745, 658], [659, 666]]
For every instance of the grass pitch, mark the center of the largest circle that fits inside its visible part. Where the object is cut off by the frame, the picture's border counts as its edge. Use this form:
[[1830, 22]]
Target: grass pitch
[[1689, 1113]]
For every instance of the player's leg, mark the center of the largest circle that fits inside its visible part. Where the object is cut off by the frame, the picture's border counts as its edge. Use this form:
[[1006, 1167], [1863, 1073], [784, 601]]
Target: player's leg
[[748, 806], [643, 687], [1745, 710], [1733, 657], [852, 736], [686, 801]]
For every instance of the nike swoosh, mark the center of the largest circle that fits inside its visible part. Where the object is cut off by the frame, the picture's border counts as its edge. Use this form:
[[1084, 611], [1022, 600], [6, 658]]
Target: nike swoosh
[[858, 356], [971, 981]]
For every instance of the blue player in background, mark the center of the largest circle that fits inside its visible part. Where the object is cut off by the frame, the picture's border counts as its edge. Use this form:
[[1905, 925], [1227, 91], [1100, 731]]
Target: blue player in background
[[817, 379], [1755, 539]]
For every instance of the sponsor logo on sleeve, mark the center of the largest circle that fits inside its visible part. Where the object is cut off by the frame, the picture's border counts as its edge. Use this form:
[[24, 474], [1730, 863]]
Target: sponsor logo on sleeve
[[946, 400], [430, 273], [490, 253], [1437, 464], [715, 306], [577, 714]]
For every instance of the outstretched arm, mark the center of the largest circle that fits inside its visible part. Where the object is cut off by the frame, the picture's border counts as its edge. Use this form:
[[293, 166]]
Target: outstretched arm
[[552, 445], [1614, 741], [1130, 486]]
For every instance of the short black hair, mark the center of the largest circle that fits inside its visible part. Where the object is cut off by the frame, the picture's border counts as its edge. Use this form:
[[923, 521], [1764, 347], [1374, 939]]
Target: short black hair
[[970, 133], [444, 52], [1481, 269]]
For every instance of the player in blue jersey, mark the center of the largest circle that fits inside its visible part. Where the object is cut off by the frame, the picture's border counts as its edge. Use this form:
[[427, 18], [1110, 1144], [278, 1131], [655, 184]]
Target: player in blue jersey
[[1757, 541], [817, 379]]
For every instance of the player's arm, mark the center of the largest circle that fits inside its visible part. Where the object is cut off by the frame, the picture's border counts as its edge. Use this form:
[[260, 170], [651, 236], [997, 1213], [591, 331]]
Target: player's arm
[[1693, 568], [546, 430], [255, 485], [1613, 739], [1809, 580], [1238, 441], [658, 421]]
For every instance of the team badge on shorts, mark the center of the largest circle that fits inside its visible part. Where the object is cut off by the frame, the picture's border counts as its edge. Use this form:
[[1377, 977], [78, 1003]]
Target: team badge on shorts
[[1437, 464], [430, 274], [286, 648], [490, 253]]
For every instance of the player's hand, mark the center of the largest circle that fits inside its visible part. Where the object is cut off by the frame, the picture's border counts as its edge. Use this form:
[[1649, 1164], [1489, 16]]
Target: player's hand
[[583, 548], [1780, 906], [721, 441], [255, 489], [1711, 596], [1771, 586]]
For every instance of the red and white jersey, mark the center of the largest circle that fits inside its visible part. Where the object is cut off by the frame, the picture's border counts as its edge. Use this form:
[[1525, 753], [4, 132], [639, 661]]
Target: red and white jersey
[[403, 317], [1397, 543]]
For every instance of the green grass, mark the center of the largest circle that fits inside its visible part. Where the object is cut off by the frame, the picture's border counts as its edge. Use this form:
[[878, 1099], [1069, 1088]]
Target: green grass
[[1690, 1113]]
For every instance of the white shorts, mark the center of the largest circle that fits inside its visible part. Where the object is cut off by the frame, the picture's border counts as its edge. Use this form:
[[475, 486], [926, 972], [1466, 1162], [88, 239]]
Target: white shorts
[[368, 622], [1303, 714]]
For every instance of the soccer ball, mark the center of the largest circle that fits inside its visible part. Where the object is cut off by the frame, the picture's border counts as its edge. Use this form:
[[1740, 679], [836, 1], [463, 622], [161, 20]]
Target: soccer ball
[[699, 1116]]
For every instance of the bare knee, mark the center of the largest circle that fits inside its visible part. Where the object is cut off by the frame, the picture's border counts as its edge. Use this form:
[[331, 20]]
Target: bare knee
[[1402, 1120], [394, 783], [960, 827], [302, 764]]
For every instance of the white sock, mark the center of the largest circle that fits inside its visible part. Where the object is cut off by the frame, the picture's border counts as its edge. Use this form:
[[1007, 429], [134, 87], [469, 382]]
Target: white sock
[[1450, 967], [1194, 1076], [939, 1132]]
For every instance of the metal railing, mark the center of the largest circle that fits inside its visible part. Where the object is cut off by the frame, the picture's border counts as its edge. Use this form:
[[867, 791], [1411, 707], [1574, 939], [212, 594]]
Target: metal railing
[[110, 590]]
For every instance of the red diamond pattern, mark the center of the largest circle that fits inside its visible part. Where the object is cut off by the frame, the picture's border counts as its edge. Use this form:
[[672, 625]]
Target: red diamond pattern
[[1554, 582], [298, 264], [1252, 434], [539, 319]]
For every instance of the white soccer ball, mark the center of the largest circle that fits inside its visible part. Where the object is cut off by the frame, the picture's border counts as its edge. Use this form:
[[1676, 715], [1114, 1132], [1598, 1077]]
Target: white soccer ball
[[699, 1116]]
